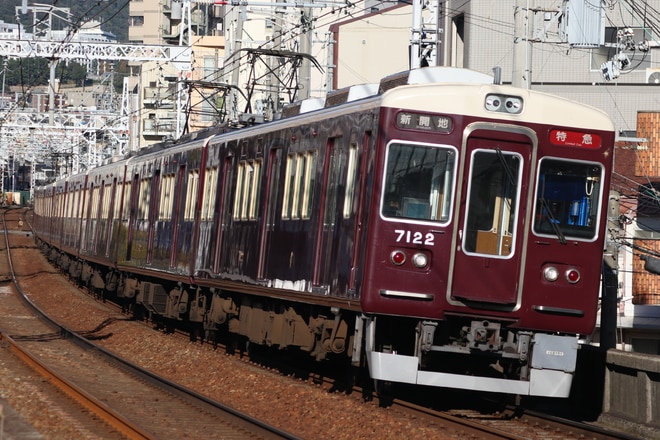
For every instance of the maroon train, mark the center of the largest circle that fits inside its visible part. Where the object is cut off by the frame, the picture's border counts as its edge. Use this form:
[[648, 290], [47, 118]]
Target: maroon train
[[440, 229]]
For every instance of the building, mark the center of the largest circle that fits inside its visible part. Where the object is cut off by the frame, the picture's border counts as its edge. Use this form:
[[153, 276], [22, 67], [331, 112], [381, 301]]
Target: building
[[161, 89]]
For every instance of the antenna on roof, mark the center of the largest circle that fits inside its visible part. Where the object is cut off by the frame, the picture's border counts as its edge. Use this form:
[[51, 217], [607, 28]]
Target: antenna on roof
[[497, 71]]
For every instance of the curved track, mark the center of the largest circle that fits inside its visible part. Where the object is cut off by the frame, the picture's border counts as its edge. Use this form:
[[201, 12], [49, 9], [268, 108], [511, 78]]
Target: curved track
[[133, 401]]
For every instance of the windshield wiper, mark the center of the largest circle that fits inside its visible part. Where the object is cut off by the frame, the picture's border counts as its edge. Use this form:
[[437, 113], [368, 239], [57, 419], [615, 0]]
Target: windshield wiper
[[553, 221]]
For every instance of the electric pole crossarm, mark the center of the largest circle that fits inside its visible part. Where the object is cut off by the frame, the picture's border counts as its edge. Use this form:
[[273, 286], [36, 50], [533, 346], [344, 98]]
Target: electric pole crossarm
[[94, 51]]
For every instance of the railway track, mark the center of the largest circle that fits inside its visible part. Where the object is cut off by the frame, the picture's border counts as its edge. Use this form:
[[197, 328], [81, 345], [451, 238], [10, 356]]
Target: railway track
[[131, 400], [452, 424]]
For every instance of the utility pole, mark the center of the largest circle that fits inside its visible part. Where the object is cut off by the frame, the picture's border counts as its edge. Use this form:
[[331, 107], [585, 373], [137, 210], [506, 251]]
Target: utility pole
[[521, 74], [306, 27], [610, 285], [425, 31]]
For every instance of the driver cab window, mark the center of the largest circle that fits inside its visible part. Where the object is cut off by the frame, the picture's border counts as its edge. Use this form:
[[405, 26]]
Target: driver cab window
[[567, 199], [418, 182]]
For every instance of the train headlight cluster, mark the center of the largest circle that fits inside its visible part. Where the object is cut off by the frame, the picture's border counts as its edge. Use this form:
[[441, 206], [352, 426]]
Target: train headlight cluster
[[420, 260], [503, 103], [551, 274]]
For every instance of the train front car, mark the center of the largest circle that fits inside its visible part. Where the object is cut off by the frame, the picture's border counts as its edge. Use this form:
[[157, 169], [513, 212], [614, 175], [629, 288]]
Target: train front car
[[484, 252]]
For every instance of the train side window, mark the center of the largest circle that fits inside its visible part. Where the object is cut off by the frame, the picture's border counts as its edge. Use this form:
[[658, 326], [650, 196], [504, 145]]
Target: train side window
[[193, 185], [308, 185], [166, 198], [289, 177], [247, 190], [350, 180], [419, 181], [94, 205], [107, 193], [126, 212], [117, 206], [69, 203], [143, 201], [253, 193], [299, 185], [567, 199], [492, 202], [210, 184]]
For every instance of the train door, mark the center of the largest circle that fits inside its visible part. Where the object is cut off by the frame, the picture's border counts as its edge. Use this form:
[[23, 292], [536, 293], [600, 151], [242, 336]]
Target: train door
[[132, 215], [355, 202], [487, 260], [334, 246], [110, 216], [153, 210], [91, 217], [221, 257], [99, 200], [176, 215], [270, 207]]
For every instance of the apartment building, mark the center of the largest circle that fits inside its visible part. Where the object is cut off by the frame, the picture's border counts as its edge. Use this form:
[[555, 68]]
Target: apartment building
[[161, 88]]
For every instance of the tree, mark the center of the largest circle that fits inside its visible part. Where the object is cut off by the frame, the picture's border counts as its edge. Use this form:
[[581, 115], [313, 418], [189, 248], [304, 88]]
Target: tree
[[27, 72]]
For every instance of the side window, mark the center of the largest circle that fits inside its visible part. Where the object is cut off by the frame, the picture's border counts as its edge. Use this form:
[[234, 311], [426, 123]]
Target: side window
[[247, 190], [308, 185], [210, 188], [126, 212], [166, 198], [193, 186], [351, 174], [107, 195], [118, 199], [143, 202], [299, 185], [289, 183], [94, 204]]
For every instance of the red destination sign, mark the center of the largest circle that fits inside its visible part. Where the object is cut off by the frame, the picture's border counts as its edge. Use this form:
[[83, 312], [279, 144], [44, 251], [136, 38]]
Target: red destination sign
[[569, 138]]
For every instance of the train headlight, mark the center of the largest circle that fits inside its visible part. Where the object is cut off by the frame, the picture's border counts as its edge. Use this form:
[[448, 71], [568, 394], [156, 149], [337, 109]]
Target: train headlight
[[513, 104], [503, 103], [572, 276], [493, 103], [420, 260], [551, 273], [398, 257]]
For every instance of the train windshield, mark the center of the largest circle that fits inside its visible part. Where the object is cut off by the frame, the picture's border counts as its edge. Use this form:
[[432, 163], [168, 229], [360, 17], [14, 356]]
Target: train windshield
[[418, 182], [567, 198]]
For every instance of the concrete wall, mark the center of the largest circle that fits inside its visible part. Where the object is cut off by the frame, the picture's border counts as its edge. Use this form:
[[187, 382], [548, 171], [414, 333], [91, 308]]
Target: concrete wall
[[632, 393]]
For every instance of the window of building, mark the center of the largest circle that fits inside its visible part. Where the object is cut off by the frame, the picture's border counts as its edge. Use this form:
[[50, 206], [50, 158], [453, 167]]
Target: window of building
[[136, 20]]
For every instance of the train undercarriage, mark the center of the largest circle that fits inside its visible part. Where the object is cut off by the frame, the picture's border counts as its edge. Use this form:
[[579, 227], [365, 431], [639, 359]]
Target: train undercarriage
[[461, 352]]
